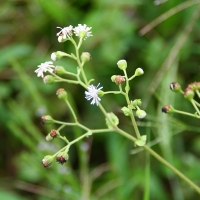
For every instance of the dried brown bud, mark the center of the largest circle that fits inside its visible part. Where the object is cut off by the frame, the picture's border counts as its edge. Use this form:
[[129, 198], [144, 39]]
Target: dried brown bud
[[168, 109], [61, 159], [53, 133], [119, 80]]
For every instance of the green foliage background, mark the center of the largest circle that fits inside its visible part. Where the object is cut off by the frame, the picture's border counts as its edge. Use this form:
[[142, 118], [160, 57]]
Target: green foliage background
[[167, 53]]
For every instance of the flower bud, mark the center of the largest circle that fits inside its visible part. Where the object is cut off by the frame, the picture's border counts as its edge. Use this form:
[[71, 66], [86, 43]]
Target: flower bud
[[53, 133], [194, 86], [62, 39], [47, 119], [100, 93], [126, 111], [122, 64], [49, 138], [62, 157], [189, 94], [168, 109], [62, 94], [119, 80], [57, 55], [113, 78], [139, 72], [59, 70], [85, 57], [141, 114], [47, 160], [49, 79], [175, 87], [136, 102]]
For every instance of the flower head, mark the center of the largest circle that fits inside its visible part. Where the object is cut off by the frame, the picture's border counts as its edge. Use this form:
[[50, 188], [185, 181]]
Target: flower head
[[44, 67], [65, 33], [82, 31], [92, 93]]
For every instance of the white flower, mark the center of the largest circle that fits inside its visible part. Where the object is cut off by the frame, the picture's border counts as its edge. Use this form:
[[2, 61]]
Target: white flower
[[82, 31], [53, 56], [141, 114], [44, 67], [92, 93], [65, 33]]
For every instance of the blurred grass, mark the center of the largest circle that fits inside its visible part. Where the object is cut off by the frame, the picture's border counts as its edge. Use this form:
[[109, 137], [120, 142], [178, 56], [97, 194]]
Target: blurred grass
[[28, 37]]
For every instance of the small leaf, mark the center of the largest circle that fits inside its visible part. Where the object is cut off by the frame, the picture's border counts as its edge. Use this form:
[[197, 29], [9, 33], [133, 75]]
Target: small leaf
[[113, 118], [126, 111], [140, 143], [144, 138]]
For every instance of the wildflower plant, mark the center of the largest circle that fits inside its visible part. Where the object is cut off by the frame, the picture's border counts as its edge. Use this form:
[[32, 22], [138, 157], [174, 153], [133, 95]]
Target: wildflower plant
[[94, 93]]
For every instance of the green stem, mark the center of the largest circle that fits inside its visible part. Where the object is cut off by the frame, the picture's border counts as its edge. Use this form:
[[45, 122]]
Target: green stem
[[78, 59], [198, 93], [196, 108], [113, 92], [132, 77], [176, 171], [71, 110], [185, 113]]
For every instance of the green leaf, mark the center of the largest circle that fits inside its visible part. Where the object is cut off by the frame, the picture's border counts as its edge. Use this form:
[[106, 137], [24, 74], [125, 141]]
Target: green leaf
[[112, 121]]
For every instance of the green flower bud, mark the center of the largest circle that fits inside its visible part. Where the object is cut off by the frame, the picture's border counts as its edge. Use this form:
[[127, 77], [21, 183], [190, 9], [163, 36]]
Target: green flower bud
[[175, 87], [141, 114], [194, 86], [113, 78], [85, 57], [168, 109], [126, 111], [189, 94], [57, 55], [139, 72], [62, 94], [47, 160], [49, 79], [122, 64], [136, 102], [47, 119], [60, 70], [100, 93], [49, 138]]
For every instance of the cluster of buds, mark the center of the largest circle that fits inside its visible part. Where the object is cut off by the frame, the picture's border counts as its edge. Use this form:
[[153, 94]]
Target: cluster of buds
[[134, 105], [188, 94], [61, 158]]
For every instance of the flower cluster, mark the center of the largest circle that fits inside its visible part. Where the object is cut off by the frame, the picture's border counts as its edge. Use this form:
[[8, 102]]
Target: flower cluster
[[81, 31]]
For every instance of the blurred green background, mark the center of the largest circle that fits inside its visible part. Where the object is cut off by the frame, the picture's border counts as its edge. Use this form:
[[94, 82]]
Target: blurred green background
[[169, 52]]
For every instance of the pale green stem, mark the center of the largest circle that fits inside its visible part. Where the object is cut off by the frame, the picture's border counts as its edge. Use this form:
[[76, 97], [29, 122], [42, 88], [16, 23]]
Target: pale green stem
[[61, 127], [196, 108], [132, 77], [71, 110], [127, 87], [196, 103], [112, 92], [176, 171], [185, 113], [198, 93], [78, 59]]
